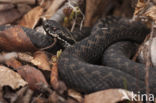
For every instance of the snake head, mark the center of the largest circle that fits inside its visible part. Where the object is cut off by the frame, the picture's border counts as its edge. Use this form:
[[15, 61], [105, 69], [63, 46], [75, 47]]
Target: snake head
[[52, 27], [56, 30]]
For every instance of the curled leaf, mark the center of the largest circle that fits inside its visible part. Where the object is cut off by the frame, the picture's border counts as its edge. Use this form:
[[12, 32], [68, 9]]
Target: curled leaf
[[33, 76], [10, 78]]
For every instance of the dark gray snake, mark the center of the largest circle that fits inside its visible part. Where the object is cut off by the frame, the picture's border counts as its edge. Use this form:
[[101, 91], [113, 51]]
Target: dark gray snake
[[79, 64]]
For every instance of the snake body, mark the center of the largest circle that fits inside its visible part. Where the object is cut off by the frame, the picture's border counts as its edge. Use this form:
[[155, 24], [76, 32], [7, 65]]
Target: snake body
[[78, 64], [117, 56]]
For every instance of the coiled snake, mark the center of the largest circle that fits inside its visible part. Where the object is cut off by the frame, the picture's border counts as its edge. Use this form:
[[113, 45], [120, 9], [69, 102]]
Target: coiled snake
[[79, 64]]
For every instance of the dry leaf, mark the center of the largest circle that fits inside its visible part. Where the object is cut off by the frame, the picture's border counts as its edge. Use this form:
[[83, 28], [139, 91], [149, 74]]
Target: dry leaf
[[19, 1], [23, 8], [139, 7], [6, 6], [9, 16], [151, 13], [53, 8], [33, 76], [69, 100], [55, 98], [76, 95], [32, 17], [10, 78], [108, 96], [13, 63], [7, 56], [95, 9], [25, 57], [39, 100], [54, 74], [41, 60], [15, 39], [59, 86]]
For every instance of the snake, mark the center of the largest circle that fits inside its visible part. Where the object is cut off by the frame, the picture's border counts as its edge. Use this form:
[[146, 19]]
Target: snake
[[83, 67], [118, 56]]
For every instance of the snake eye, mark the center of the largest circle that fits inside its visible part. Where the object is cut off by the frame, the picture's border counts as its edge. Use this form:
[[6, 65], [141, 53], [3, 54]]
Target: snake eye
[[54, 28]]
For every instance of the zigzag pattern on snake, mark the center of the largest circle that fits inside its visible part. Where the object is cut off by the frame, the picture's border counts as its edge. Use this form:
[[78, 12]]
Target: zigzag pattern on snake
[[78, 64]]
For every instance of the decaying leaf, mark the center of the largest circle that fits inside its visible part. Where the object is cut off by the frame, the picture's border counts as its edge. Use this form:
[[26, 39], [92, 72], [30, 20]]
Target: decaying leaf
[[31, 18], [25, 57], [140, 6], [15, 39], [151, 13], [10, 78], [59, 86], [6, 6], [38, 59], [145, 9], [13, 63], [108, 96], [53, 8], [95, 9], [55, 98], [54, 74], [7, 56], [9, 16], [41, 60], [22, 95], [19, 1], [76, 95], [23, 8], [33, 76], [39, 100]]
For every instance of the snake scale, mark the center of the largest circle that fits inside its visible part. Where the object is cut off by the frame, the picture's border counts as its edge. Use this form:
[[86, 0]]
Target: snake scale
[[79, 64]]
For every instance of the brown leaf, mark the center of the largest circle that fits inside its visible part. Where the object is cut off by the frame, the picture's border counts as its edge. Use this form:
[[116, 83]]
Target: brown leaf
[[33, 76], [76, 95], [25, 57], [55, 98], [9, 16], [39, 100], [19, 1], [24, 95], [54, 74], [95, 9], [6, 6], [151, 13], [14, 63], [23, 8], [53, 8], [59, 86], [108, 96], [69, 100], [10, 78], [7, 56], [141, 8], [15, 39], [41, 60], [32, 17]]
